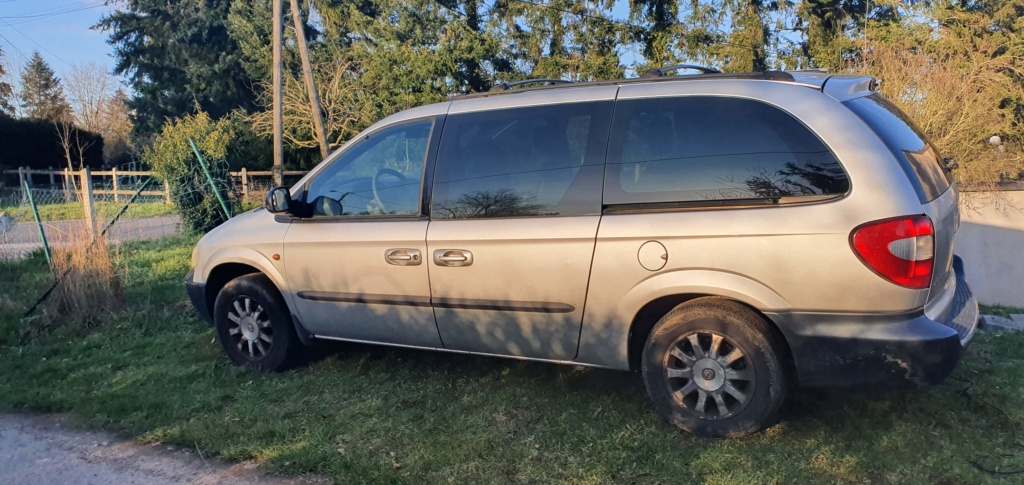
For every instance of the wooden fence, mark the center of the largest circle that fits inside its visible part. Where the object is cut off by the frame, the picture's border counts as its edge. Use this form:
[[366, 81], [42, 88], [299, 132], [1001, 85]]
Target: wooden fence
[[66, 180]]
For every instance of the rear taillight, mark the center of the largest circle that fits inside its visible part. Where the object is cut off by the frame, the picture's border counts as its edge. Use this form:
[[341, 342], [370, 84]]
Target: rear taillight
[[900, 250]]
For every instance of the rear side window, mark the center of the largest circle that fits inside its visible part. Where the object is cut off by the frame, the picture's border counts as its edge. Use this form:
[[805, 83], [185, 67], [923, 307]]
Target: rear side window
[[711, 149], [522, 162], [915, 153]]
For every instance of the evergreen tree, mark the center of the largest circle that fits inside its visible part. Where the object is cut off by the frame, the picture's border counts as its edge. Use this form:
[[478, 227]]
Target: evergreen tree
[[747, 46], [561, 39], [177, 54], [6, 91], [42, 96]]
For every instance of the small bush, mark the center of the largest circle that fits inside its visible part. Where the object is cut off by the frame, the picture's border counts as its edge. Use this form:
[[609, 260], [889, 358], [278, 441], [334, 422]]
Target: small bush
[[173, 160]]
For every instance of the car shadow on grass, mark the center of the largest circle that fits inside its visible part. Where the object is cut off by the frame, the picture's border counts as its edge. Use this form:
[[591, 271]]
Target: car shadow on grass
[[470, 365], [803, 407]]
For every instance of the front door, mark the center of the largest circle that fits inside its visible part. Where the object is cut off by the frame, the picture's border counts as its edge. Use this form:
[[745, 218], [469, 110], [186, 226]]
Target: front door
[[357, 264], [516, 203]]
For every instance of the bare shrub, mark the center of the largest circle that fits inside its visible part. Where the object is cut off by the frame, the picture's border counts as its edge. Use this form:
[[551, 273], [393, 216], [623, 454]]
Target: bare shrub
[[91, 288], [961, 95], [343, 110]]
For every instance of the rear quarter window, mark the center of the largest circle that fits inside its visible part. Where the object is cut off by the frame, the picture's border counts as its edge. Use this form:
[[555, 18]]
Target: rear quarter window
[[917, 156], [702, 149]]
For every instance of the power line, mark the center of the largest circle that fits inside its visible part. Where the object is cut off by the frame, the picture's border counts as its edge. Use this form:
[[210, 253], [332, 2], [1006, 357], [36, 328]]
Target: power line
[[2, 36], [34, 42], [20, 53], [44, 14], [47, 11]]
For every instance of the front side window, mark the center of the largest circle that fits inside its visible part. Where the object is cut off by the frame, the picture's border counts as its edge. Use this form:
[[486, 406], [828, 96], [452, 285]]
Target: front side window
[[379, 176], [707, 149], [522, 162]]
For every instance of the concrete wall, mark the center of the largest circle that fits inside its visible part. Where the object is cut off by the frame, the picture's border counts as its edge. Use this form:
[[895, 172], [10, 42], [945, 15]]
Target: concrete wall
[[991, 243]]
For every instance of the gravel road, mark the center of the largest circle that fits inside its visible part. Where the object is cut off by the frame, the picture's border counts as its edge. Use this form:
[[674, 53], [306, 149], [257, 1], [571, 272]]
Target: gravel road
[[18, 240], [42, 449]]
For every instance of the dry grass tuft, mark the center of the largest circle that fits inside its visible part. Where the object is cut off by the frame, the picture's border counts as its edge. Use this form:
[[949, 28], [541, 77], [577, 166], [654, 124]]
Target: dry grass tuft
[[92, 288]]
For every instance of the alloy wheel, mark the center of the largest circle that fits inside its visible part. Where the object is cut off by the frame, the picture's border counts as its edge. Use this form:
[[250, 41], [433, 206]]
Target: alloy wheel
[[250, 330], [709, 375]]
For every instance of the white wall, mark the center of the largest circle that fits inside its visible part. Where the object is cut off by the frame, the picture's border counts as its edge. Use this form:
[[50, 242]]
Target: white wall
[[991, 243]]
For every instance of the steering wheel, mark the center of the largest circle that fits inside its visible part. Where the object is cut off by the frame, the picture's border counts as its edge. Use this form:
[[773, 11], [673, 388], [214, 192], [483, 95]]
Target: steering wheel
[[373, 184]]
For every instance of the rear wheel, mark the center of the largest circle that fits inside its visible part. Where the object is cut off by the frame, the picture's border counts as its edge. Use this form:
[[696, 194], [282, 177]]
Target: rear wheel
[[253, 325], [714, 368]]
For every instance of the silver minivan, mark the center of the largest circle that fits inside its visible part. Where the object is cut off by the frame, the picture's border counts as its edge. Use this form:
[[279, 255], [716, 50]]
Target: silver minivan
[[728, 237]]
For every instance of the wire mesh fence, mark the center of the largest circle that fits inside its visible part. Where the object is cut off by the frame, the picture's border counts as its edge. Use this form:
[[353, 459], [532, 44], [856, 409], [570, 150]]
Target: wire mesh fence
[[69, 202], [252, 187]]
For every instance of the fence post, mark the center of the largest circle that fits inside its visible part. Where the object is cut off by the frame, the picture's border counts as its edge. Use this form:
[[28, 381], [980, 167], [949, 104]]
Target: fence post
[[167, 193], [113, 173], [52, 182], [21, 183], [245, 185], [87, 202], [67, 191]]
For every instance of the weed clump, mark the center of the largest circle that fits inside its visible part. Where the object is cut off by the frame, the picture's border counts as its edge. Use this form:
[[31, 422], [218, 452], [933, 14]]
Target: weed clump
[[91, 287]]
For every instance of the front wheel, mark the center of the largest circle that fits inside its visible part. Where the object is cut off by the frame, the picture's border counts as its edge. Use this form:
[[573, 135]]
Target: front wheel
[[253, 325], [713, 368]]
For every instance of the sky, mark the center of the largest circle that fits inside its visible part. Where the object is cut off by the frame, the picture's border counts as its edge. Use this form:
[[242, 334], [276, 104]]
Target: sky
[[61, 31], [58, 29]]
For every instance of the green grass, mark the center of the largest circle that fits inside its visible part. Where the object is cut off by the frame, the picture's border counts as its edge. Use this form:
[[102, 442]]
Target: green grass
[[1001, 310], [364, 414], [104, 211]]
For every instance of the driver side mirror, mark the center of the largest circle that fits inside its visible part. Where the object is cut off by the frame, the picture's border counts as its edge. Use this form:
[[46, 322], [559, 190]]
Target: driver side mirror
[[278, 200]]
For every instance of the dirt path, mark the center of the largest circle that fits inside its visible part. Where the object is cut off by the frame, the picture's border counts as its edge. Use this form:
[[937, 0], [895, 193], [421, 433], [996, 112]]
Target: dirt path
[[40, 449]]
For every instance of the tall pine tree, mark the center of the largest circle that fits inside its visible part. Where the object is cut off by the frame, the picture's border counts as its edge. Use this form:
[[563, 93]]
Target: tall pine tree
[[6, 91], [42, 96]]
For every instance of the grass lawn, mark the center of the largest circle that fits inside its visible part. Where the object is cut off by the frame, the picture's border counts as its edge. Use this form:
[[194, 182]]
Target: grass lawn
[[363, 414], [1000, 310], [104, 211]]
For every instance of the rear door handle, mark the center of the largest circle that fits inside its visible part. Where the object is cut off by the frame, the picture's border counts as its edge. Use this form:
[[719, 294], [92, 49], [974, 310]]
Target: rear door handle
[[453, 257], [403, 257]]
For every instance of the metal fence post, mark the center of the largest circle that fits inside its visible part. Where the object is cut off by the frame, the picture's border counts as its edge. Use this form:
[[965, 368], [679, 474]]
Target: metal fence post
[[113, 173], [52, 182], [245, 185], [87, 202], [209, 178], [39, 225]]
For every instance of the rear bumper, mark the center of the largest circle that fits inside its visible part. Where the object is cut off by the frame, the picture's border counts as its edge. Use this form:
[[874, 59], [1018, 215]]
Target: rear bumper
[[197, 295], [855, 350]]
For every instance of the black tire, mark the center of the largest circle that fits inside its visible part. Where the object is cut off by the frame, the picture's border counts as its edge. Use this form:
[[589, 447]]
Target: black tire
[[741, 397], [268, 342]]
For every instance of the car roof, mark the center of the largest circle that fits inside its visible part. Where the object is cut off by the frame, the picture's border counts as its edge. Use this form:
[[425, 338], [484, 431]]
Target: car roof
[[813, 79], [840, 87]]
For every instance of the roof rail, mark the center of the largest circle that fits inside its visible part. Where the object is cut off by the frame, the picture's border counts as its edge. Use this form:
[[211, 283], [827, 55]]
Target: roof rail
[[506, 86], [655, 73]]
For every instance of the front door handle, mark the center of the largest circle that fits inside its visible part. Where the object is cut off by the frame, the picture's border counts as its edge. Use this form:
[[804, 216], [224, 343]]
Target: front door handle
[[403, 257], [453, 257]]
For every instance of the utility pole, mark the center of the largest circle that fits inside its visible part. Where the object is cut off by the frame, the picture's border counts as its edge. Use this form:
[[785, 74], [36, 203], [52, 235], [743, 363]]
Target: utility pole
[[307, 72], [278, 95]]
